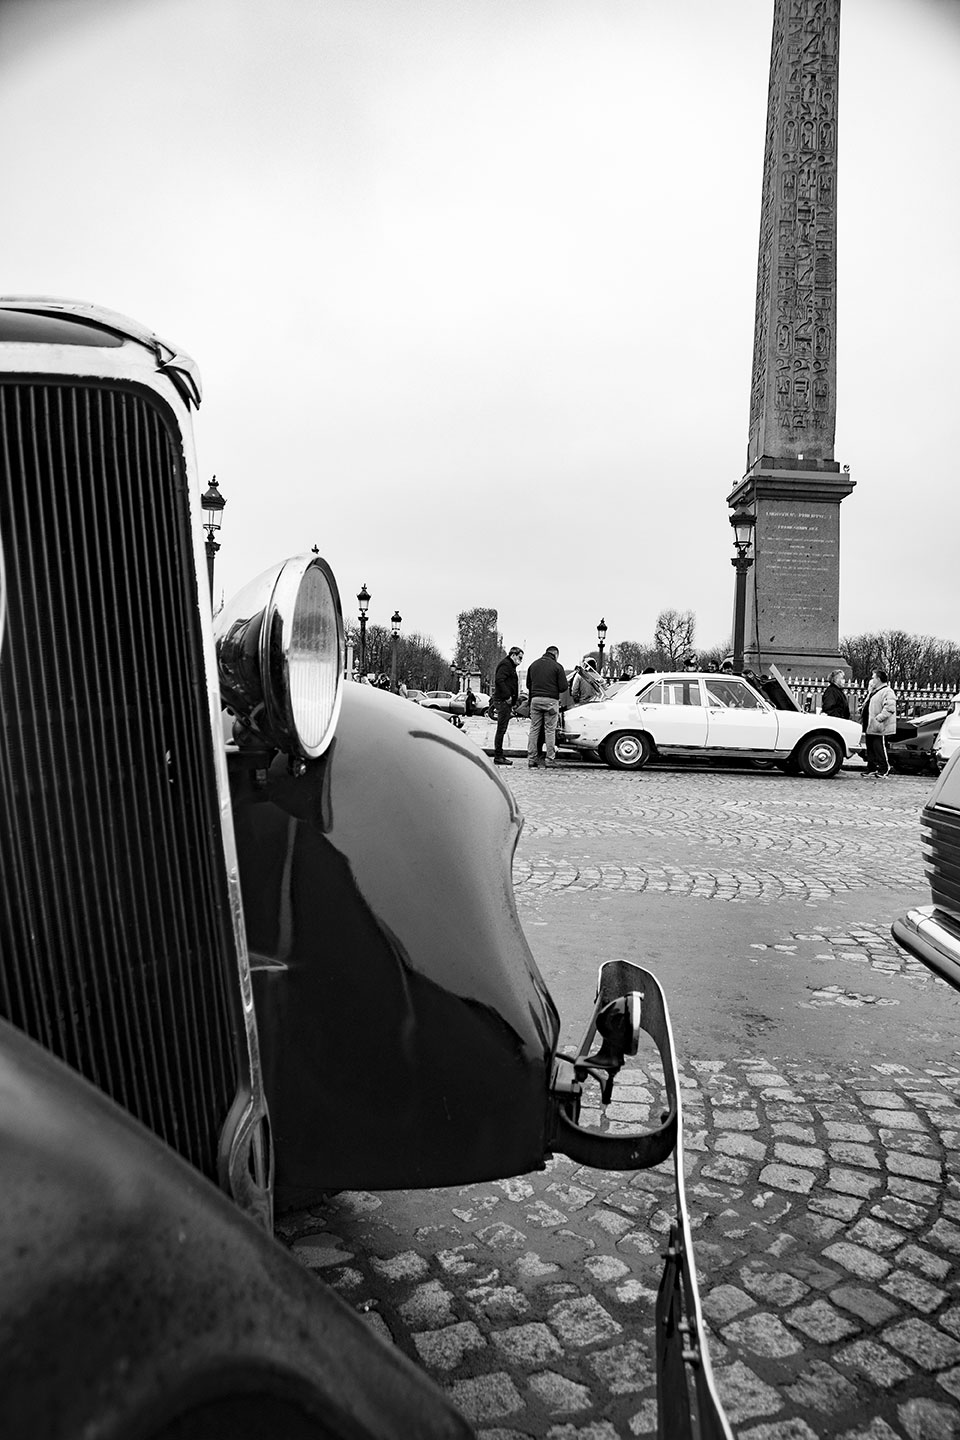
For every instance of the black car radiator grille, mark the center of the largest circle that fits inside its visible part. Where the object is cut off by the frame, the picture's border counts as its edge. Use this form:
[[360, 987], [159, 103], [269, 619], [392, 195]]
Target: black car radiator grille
[[116, 945], [940, 843]]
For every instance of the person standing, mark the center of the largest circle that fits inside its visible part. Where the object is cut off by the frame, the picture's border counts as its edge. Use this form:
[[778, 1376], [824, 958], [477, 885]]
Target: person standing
[[586, 686], [506, 693], [833, 701], [546, 682], [880, 720]]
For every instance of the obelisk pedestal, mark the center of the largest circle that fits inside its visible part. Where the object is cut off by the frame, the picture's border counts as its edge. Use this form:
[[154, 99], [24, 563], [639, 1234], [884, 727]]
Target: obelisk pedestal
[[792, 482]]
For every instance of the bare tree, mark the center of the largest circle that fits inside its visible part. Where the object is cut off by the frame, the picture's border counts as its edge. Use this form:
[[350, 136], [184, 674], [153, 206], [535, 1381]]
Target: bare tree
[[479, 643], [673, 635]]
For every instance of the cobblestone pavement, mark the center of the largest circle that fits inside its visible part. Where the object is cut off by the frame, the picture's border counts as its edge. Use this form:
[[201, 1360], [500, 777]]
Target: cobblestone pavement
[[823, 1183]]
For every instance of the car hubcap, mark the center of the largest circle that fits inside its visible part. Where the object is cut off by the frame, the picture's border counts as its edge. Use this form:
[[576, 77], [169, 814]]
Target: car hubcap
[[628, 750], [822, 757]]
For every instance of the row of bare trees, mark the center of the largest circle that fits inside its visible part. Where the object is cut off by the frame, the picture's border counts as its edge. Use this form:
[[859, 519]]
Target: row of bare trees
[[907, 659], [420, 664], [914, 659]]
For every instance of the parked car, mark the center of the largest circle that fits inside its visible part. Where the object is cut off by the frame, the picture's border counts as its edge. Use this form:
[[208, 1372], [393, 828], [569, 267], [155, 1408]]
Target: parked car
[[948, 738], [932, 932], [437, 699], [224, 989], [911, 748], [416, 696], [703, 715]]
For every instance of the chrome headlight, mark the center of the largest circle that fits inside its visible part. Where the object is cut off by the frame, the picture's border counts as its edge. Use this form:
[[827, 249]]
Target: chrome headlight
[[280, 655]]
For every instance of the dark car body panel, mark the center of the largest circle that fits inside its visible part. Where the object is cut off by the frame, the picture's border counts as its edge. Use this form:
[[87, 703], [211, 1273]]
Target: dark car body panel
[[405, 1032], [911, 748], [137, 1301]]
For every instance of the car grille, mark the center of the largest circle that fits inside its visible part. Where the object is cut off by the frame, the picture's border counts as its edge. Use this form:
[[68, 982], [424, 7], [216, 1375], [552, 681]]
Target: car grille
[[116, 942], [940, 843]]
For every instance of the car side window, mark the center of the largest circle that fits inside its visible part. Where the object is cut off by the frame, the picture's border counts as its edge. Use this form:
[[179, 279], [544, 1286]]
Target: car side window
[[671, 692], [732, 695]]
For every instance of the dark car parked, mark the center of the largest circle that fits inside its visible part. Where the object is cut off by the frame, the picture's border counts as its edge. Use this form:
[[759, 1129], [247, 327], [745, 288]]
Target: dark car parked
[[932, 932], [236, 976], [911, 749]]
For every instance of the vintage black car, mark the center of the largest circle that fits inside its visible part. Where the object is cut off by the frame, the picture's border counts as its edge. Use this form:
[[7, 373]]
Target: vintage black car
[[932, 932], [236, 977]]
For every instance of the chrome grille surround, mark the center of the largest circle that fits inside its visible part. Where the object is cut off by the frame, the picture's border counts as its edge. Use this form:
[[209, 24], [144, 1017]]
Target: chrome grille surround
[[940, 846], [122, 947]]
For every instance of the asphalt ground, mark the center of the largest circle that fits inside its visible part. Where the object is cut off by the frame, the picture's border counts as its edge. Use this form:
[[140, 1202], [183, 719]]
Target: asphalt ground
[[820, 1071]]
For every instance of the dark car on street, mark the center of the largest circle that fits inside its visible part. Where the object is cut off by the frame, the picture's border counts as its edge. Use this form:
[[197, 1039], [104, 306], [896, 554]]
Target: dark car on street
[[235, 976], [932, 932], [911, 749]]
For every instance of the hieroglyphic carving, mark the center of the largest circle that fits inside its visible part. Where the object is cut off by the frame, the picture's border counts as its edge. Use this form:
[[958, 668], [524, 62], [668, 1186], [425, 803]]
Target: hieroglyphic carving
[[793, 385]]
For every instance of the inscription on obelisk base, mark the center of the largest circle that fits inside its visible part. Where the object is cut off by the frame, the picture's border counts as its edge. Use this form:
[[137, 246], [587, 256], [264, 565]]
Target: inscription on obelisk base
[[792, 482]]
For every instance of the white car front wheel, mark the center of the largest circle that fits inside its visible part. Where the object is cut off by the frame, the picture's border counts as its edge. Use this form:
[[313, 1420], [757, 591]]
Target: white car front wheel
[[820, 757]]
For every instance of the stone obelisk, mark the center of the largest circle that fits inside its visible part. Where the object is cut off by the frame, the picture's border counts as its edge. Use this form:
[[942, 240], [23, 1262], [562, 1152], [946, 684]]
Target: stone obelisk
[[792, 483]]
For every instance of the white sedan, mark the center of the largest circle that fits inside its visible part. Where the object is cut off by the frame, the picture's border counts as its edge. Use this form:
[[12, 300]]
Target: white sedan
[[705, 715]]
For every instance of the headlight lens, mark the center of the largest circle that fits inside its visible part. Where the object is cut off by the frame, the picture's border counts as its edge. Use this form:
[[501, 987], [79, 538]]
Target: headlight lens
[[280, 653]]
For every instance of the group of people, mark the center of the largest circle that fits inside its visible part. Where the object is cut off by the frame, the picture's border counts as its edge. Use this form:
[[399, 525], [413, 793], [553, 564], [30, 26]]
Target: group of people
[[547, 684], [878, 716]]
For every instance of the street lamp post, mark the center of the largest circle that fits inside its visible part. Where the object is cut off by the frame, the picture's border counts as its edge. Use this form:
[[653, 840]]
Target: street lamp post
[[395, 621], [363, 600], [601, 637], [743, 522], [212, 503]]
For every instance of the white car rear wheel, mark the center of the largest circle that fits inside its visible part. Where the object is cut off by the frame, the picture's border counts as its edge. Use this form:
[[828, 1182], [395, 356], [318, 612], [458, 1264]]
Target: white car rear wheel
[[626, 751]]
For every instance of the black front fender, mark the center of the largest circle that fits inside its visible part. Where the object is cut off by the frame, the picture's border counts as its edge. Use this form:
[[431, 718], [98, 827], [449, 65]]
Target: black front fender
[[136, 1301], [406, 1034]]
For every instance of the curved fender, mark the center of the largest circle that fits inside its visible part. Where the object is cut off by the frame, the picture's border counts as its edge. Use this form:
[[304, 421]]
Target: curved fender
[[406, 1033], [137, 1303]]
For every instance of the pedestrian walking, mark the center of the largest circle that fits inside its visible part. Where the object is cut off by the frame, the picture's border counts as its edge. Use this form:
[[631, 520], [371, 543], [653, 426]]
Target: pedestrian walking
[[587, 684], [546, 682], [833, 701], [506, 693], [879, 717]]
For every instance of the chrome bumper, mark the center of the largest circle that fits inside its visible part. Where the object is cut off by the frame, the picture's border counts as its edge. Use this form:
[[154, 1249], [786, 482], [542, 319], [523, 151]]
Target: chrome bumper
[[933, 938]]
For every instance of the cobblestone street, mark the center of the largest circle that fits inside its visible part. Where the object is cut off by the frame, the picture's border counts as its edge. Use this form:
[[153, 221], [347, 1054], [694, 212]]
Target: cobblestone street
[[820, 1071]]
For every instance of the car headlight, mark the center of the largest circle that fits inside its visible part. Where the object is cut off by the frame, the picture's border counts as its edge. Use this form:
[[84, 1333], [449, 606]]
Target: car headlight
[[280, 655]]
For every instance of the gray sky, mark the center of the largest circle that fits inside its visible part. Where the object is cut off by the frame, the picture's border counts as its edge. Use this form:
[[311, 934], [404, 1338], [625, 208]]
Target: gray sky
[[471, 284]]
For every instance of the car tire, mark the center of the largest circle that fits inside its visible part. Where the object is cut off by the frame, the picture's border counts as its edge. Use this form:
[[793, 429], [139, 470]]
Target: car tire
[[626, 750], [819, 757]]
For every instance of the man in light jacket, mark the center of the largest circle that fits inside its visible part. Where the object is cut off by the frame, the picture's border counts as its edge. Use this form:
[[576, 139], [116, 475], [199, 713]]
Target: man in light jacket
[[880, 721]]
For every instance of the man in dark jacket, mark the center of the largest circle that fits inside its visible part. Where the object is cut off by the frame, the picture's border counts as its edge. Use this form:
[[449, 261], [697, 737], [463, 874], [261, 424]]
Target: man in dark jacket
[[546, 682], [833, 701], [506, 692]]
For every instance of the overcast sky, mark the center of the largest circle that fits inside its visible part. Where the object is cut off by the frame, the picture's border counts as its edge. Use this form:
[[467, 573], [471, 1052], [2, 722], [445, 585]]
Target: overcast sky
[[471, 284]]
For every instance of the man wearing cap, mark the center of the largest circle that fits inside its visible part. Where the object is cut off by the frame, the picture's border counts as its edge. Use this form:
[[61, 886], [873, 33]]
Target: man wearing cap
[[546, 682], [506, 692]]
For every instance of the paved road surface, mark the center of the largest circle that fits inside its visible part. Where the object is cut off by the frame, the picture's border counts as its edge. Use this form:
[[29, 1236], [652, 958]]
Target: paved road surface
[[821, 1092]]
